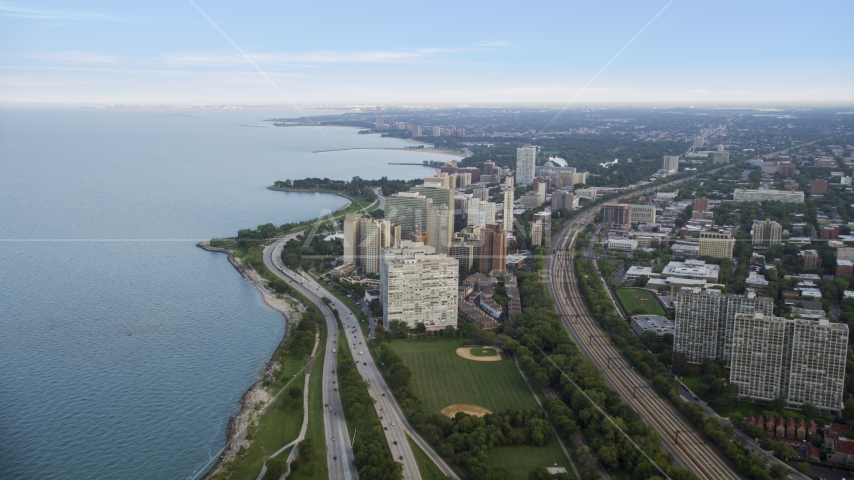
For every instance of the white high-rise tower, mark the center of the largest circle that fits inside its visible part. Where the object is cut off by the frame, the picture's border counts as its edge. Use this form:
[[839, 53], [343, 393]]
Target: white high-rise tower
[[526, 161]]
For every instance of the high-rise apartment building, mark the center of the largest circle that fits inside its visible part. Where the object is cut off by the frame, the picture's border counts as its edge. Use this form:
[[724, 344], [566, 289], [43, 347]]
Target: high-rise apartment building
[[536, 233], [493, 249], [480, 213], [802, 360], [704, 320], [407, 209], [716, 244], [363, 239], [481, 193], [473, 171], [418, 286], [465, 248], [617, 217], [807, 259], [642, 213], [489, 168], [701, 204], [670, 163], [437, 131], [699, 142], [440, 228], [767, 233], [440, 194], [562, 199], [818, 187], [509, 192], [526, 162]]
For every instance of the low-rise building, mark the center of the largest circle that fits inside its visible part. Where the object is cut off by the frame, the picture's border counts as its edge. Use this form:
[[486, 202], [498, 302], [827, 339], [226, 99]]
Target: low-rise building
[[654, 323], [692, 269], [634, 272], [764, 195], [621, 244]]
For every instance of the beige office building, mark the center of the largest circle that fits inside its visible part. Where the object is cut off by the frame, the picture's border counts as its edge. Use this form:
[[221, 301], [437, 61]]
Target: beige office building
[[767, 233], [643, 213], [418, 286], [716, 244]]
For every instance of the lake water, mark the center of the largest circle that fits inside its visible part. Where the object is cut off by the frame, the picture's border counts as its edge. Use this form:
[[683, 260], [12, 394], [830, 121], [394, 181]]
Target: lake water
[[124, 349]]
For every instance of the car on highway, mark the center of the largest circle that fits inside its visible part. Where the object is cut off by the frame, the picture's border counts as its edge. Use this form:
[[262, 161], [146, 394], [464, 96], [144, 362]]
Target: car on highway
[[392, 424], [333, 439], [395, 442]]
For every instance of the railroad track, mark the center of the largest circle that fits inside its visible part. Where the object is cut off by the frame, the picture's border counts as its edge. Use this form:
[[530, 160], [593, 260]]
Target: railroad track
[[678, 437]]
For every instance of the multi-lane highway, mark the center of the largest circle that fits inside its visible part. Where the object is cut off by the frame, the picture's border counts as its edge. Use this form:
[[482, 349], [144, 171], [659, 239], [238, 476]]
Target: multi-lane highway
[[394, 423], [339, 451]]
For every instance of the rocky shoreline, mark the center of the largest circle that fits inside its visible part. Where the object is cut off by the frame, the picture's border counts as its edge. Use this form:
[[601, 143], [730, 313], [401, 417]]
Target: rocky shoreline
[[257, 394]]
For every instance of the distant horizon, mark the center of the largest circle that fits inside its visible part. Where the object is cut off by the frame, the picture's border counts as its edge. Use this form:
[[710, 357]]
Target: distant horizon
[[769, 106], [647, 52]]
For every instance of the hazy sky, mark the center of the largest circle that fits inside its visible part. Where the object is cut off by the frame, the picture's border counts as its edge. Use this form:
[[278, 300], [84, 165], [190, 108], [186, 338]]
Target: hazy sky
[[426, 52]]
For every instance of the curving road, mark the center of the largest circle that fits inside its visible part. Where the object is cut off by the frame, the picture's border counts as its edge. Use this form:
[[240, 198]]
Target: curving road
[[385, 404], [339, 451]]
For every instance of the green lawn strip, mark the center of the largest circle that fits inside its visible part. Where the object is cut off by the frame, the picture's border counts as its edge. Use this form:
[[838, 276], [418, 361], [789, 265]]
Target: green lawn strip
[[633, 298], [441, 378], [314, 432], [276, 428], [426, 466], [521, 459]]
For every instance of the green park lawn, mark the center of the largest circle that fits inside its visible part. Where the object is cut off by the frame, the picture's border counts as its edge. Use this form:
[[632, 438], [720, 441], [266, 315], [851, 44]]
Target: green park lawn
[[441, 378], [633, 298], [521, 459], [483, 352]]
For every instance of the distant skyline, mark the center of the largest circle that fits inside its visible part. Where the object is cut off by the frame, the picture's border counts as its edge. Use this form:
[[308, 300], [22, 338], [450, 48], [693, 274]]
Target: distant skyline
[[159, 52]]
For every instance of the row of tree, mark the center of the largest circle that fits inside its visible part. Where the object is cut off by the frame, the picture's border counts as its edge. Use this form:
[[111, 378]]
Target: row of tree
[[648, 365], [538, 331], [373, 457]]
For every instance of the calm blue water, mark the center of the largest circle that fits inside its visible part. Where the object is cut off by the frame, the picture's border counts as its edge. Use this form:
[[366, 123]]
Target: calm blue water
[[124, 349]]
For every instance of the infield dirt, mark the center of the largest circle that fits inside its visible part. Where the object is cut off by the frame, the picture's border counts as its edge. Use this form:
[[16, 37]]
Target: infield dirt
[[465, 352], [452, 410]]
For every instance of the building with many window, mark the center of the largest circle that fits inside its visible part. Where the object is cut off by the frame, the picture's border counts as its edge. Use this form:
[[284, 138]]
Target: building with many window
[[526, 162], [363, 239], [767, 233], [418, 286], [493, 249], [509, 191], [562, 199], [704, 321], [616, 217], [763, 195], [670, 163], [407, 209], [802, 360], [642, 213], [480, 213], [716, 244]]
